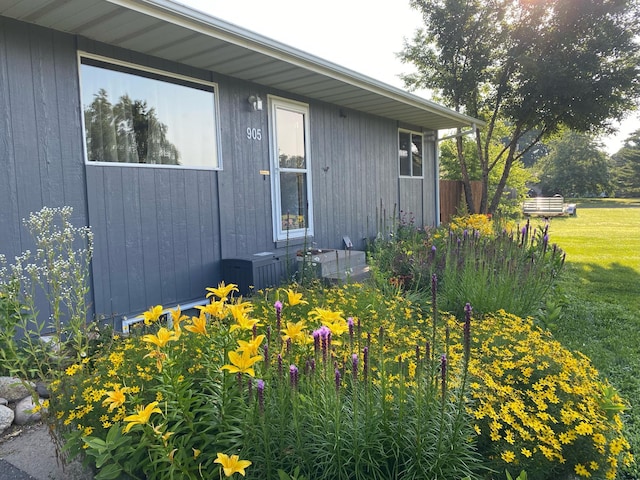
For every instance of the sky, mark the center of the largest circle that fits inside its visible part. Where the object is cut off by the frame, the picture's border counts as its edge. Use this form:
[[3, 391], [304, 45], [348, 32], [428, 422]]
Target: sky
[[361, 35]]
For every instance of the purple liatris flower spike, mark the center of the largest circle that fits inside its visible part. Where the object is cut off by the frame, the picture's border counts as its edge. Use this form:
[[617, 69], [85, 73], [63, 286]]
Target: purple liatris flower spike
[[467, 331], [250, 388], [427, 351], [365, 362], [280, 365], [278, 306], [265, 352], [338, 378], [260, 389], [354, 366], [293, 376], [288, 346]]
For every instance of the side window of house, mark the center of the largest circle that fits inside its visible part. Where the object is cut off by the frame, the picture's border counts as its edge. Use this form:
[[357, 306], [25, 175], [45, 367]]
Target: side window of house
[[139, 116], [410, 153]]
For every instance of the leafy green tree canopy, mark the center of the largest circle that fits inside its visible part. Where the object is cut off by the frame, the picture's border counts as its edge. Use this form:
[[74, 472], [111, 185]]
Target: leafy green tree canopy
[[575, 167], [627, 167], [534, 65]]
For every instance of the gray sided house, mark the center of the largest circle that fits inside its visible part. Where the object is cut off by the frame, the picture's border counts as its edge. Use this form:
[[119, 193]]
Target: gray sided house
[[185, 142]]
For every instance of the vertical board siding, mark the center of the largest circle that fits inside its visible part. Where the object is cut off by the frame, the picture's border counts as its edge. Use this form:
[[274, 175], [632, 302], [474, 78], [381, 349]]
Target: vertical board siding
[[160, 233], [9, 213], [157, 242], [40, 140]]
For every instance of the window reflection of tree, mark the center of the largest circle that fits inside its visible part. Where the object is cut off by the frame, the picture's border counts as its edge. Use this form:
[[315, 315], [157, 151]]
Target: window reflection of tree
[[128, 132], [293, 193]]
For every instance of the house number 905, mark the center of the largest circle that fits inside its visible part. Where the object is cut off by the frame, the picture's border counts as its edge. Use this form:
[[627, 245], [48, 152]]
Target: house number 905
[[254, 133]]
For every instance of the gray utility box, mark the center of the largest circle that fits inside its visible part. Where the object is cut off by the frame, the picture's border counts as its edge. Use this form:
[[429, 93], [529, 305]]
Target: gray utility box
[[258, 271]]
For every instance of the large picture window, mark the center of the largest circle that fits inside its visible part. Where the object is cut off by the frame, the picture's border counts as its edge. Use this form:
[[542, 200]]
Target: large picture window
[[140, 116], [291, 163], [410, 153]]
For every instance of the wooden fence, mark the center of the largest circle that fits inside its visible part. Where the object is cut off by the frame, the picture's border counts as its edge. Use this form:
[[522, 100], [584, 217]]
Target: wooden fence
[[452, 200]]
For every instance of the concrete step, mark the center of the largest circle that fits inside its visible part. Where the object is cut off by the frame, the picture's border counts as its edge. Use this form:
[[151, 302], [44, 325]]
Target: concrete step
[[352, 275], [331, 262]]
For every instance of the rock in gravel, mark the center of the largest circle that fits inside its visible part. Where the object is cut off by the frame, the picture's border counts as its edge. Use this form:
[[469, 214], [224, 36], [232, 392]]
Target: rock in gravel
[[13, 389], [4, 401], [42, 390], [6, 418], [25, 412]]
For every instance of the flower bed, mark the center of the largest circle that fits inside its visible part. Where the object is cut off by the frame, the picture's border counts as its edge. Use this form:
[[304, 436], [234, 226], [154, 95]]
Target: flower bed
[[338, 383]]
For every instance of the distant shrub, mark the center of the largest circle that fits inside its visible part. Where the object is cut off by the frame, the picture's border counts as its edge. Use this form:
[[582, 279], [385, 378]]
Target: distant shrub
[[510, 270]]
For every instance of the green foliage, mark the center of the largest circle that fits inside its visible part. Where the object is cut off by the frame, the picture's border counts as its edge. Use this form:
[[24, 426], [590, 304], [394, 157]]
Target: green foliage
[[491, 60], [541, 407], [32, 346], [626, 169], [601, 288], [575, 167], [492, 271], [369, 404]]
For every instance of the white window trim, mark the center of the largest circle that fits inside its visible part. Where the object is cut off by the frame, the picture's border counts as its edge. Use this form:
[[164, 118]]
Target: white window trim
[[163, 73], [279, 234], [413, 132]]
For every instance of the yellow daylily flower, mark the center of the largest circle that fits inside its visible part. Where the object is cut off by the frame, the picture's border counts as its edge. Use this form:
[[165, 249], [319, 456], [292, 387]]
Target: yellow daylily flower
[[223, 291], [159, 356], [232, 464], [215, 309], [152, 315], [199, 324], [177, 318], [242, 363], [243, 323], [163, 337], [142, 417], [294, 298], [295, 332], [115, 398], [252, 346], [240, 309], [332, 320]]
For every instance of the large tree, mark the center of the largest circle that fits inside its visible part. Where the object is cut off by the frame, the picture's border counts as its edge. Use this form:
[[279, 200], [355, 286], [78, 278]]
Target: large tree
[[575, 167], [627, 167], [533, 65]]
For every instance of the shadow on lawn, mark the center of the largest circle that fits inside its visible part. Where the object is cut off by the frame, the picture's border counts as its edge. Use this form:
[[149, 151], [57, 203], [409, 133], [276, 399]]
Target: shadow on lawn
[[615, 283]]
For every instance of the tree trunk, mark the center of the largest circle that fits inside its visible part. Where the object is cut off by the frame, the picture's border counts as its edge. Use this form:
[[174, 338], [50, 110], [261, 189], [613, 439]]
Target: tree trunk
[[466, 182]]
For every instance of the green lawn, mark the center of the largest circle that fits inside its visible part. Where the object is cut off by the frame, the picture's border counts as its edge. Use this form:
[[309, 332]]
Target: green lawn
[[600, 294]]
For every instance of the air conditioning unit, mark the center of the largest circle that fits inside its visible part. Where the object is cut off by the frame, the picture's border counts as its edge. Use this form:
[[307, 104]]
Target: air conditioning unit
[[259, 271]]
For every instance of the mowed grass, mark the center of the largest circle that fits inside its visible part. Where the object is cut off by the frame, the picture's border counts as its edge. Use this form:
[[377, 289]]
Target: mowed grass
[[603, 248], [600, 297]]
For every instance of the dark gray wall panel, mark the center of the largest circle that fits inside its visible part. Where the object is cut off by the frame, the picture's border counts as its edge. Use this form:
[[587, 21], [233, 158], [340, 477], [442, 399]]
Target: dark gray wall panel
[[156, 241], [40, 149]]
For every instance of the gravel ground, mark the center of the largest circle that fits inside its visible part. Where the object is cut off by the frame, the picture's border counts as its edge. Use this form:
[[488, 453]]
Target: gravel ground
[[30, 453]]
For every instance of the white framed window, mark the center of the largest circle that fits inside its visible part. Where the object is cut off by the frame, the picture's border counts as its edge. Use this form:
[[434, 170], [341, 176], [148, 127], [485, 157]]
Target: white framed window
[[410, 149], [291, 167], [138, 116]]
